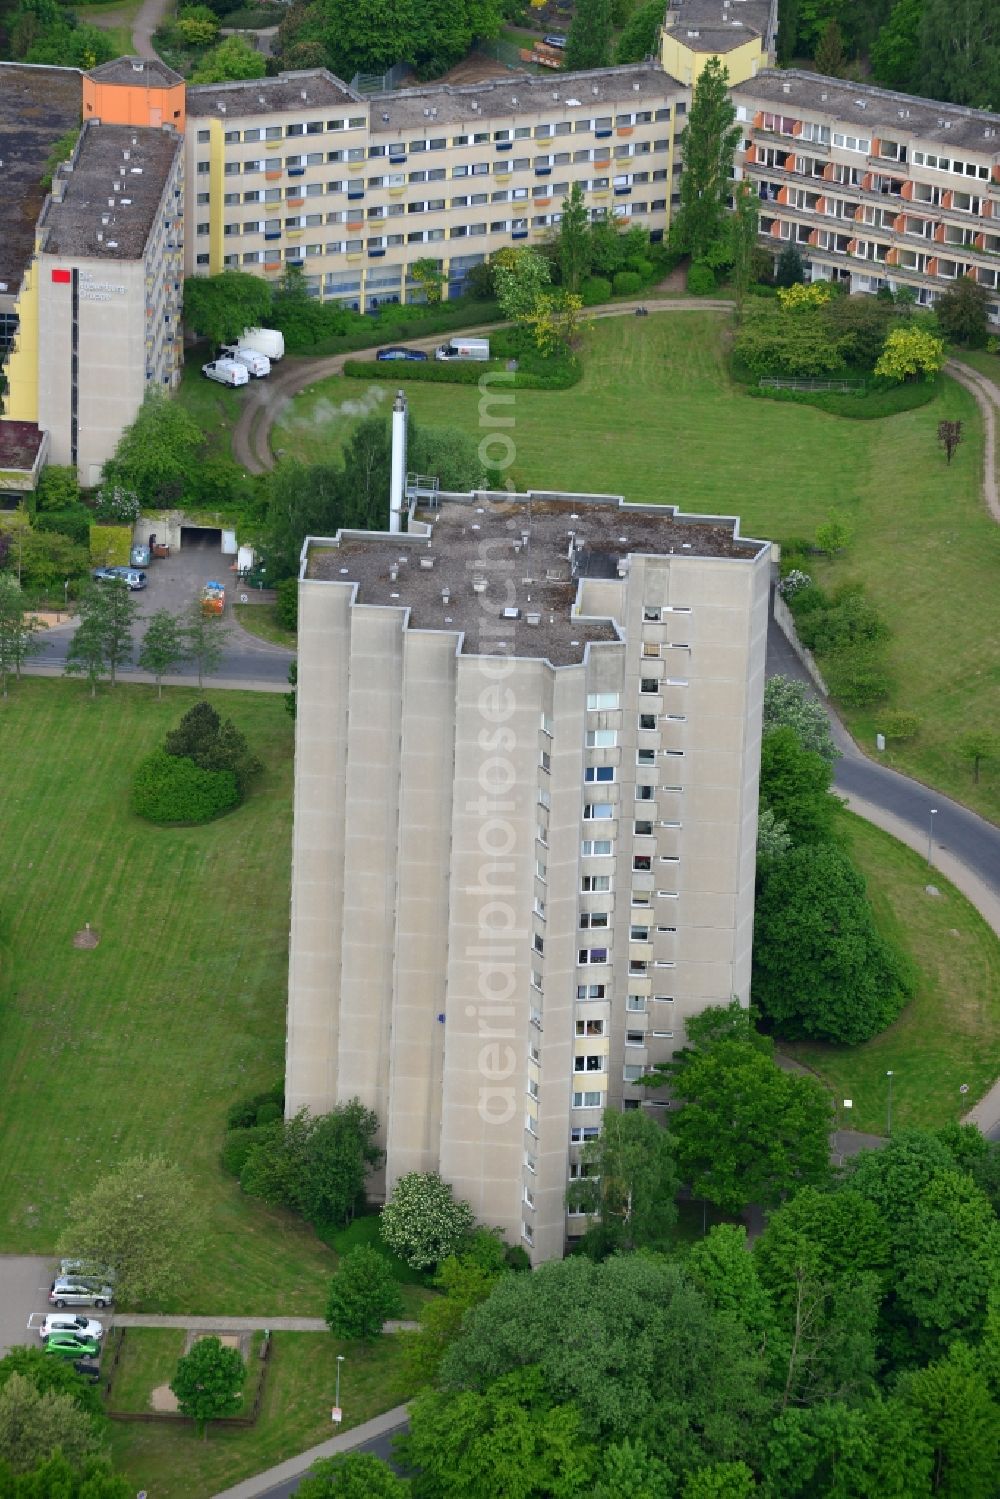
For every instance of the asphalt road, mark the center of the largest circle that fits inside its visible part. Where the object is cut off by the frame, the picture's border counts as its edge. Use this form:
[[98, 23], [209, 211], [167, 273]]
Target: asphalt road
[[380, 1446], [967, 837], [174, 582]]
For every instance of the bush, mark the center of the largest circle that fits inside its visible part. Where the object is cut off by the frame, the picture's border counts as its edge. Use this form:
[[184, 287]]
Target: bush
[[73, 522], [897, 724], [627, 283], [286, 606], [700, 279], [858, 675], [58, 488], [594, 290], [172, 789], [363, 1295], [246, 1112], [557, 374], [238, 1144], [844, 619], [110, 546], [862, 404]]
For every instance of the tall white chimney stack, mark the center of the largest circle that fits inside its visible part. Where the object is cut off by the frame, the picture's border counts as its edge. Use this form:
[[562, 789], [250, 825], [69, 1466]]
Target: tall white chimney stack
[[397, 480]]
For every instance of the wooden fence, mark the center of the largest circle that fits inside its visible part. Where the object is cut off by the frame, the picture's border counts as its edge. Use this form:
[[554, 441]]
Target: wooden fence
[[256, 1367]]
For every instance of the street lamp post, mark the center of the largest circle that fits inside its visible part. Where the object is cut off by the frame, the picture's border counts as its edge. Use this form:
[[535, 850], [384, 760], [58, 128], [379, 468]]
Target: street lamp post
[[930, 834], [888, 1110], [336, 1398]]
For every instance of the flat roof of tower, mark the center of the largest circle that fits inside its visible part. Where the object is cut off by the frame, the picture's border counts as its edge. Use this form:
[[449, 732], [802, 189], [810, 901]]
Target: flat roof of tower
[[38, 106], [881, 109], [479, 537], [716, 25], [138, 158]]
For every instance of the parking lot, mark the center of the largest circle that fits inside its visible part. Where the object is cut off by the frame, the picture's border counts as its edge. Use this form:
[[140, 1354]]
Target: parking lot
[[24, 1300]]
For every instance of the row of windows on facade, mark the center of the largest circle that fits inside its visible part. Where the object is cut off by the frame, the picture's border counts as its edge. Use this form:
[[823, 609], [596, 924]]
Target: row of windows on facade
[[945, 199], [379, 243], [401, 210], [889, 150], [356, 192], [502, 166], [441, 143]]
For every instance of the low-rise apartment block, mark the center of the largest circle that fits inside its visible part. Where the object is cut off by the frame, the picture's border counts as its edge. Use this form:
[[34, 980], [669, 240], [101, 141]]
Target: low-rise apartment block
[[527, 750], [301, 171], [873, 187]]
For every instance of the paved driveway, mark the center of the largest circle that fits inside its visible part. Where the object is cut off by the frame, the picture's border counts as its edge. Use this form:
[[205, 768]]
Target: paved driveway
[[24, 1299]]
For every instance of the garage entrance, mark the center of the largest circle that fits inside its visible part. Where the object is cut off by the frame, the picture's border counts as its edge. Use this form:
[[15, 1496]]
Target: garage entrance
[[201, 538]]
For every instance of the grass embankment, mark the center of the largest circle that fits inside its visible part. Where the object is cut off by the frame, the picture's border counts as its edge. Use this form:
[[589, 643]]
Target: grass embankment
[[262, 620], [143, 1043], [657, 418], [115, 17], [172, 1462], [949, 1033]]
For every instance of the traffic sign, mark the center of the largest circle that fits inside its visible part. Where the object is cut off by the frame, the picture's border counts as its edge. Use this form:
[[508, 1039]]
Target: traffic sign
[[336, 1414]]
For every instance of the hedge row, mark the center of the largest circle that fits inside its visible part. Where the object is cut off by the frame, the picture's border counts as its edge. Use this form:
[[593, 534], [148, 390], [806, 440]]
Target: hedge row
[[393, 325], [863, 405], [464, 372]]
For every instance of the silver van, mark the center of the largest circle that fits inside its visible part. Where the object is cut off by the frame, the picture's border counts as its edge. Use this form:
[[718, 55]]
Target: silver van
[[73, 1290]]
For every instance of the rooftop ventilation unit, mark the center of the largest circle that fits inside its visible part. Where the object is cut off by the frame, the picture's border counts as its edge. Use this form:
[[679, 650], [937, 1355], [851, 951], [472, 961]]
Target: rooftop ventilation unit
[[304, 97], [479, 585], [137, 66], [126, 155], [512, 612], [385, 117], [427, 563], [446, 596], [112, 244], [532, 617]]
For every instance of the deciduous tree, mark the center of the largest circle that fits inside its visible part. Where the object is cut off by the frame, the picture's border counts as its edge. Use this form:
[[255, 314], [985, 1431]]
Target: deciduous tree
[[162, 646], [574, 239], [204, 637], [221, 307], [142, 1220], [794, 785], [791, 704], [363, 1294], [895, 53], [979, 748], [157, 453], [821, 968], [18, 631], [36, 1424], [209, 1382], [316, 1165], [627, 1182], [910, 354], [352, 1475], [957, 1418], [233, 59], [519, 278], [589, 41], [748, 1132], [960, 51], [422, 1221]]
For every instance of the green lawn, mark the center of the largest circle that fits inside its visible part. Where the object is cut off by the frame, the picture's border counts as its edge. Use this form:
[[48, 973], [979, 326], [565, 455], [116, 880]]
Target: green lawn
[[150, 1356], [949, 1033], [656, 418], [261, 620], [142, 1043], [214, 407], [171, 1462]]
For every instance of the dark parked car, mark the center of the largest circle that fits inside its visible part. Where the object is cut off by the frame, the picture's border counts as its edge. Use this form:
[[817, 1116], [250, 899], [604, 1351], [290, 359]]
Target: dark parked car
[[400, 353], [88, 1368]]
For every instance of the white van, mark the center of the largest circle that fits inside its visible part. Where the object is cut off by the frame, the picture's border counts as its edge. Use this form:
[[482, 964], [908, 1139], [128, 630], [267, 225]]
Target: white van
[[269, 341], [227, 372], [257, 365], [464, 348]]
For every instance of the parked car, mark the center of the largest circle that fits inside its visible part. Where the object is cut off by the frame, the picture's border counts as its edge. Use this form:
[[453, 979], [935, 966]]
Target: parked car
[[133, 577], [226, 372], [555, 39], [78, 1291], [84, 1327], [399, 352], [104, 574], [139, 555], [255, 363], [269, 341], [68, 1345], [464, 348], [88, 1369], [88, 1269]]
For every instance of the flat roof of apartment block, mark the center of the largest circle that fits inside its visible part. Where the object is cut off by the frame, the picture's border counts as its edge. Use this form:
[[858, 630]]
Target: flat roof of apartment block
[[37, 107], [119, 173], [298, 91], [476, 566], [522, 94], [880, 109]]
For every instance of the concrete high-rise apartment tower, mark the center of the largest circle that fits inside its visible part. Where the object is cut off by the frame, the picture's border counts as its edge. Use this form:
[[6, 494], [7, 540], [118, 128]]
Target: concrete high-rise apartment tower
[[527, 750]]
